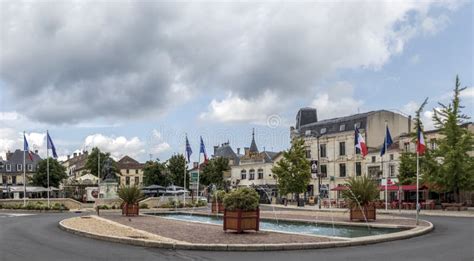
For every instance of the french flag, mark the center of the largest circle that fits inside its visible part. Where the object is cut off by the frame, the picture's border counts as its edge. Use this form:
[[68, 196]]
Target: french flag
[[359, 143], [26, 148], [420, 142]]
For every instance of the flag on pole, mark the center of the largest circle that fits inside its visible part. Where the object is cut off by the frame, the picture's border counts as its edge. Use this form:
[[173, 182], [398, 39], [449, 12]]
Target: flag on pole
[[202, 150], [189, 151], [420, 142], [50, 145], [359, 143], [26, 148], [386, 142]]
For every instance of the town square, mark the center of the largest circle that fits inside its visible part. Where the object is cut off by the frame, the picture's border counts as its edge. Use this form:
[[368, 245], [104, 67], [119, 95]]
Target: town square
[[315, 130]]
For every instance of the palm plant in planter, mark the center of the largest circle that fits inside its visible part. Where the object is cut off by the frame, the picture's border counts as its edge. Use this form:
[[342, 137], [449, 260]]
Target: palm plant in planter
[[217, 199], [130, 196], [361, 193], [241, 210]]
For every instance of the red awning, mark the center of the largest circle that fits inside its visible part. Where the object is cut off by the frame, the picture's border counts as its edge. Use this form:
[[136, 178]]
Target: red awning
[[339, 188], [402, 187]]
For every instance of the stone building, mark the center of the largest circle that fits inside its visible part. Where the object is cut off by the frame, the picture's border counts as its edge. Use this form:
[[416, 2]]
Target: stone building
[[332, 141], [130, 172], [11, 169]]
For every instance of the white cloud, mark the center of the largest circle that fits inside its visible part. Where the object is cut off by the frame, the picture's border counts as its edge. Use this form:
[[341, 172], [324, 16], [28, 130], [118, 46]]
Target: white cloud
[[11, 140], [117, 146], [157, 144], [337, 101], [426, 116], [236, 109], [432, 25]]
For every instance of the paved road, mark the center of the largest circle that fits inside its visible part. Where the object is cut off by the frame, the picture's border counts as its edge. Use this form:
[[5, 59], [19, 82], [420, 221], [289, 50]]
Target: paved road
[[37, 237]]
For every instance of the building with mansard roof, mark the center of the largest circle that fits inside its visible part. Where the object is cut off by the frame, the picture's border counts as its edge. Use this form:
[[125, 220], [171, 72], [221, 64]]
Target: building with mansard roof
[[11, 169]]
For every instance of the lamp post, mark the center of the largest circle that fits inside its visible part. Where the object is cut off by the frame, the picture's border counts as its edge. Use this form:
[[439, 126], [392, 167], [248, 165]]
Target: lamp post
[[319, 170]]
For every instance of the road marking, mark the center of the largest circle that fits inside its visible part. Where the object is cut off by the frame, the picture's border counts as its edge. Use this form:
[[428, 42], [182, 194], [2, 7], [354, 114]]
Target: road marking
[[6, 215]]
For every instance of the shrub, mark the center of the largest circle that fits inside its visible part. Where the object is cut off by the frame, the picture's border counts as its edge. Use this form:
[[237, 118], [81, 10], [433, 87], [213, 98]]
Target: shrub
[[130, 195], [362, 190], [144, 205], [219, 195], [242, 198]]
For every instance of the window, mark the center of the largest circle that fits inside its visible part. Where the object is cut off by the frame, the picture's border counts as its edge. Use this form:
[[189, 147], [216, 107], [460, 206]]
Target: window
[[391, 170], [342, 148], [406, 146], [308, 153], [4, 180], [342, 170], [323, 130], [30, 167], [357, 151], [373, 159], [137, 180], [136, 171], [128, 171], [374, 171], [322, 148], [324, 171], [251, 174], [357, 125], [13, 180], [260, 173], [391, 156], [8, 167], [243, 174], [342, 127], [127, 181], [358, 169], [19, 167]]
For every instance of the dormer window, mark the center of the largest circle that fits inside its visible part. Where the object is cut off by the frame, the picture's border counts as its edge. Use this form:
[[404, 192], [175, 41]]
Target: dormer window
[[342, 127], [323, 130], [307, 133], [8, 167], [19, 167]]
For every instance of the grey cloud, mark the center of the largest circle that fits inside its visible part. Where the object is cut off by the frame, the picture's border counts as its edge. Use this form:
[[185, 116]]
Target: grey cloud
[[78, 60]]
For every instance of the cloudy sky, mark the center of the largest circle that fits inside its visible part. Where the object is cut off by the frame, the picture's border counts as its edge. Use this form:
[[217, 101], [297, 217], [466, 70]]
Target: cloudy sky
[[135, 77]]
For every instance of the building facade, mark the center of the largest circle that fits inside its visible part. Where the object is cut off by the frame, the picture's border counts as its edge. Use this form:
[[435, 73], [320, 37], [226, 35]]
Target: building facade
[[331, 142], [130, 172], [11, 169]]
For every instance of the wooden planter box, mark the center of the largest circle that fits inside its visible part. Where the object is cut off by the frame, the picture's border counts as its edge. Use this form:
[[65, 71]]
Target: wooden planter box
[[130, 209], [369, 213], [217, 207], [241, 220]]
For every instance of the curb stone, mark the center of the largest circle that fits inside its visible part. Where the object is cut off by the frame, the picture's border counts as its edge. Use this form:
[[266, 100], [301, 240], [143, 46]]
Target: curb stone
[[418, 231]]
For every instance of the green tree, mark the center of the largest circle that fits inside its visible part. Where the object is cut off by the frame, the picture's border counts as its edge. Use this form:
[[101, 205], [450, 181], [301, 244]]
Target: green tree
[[293, 170], [176, 167], [456, 167], [57, 173], [155, 173], [213, 172], [93, 158], [407, 167]]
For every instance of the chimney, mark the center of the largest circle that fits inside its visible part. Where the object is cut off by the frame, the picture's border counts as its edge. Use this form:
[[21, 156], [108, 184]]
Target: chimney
[[86, 152], [68, 156], [246, 151], [36, 151], [195, 165], [74, 155], [215, 149], [9, 155], [238, 150]]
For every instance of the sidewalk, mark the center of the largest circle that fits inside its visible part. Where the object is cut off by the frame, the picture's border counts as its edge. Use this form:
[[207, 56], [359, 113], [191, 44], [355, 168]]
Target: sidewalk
[[438, 212]]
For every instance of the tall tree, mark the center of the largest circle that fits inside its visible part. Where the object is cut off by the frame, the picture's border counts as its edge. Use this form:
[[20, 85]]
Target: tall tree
[[176, 167], [57, 173], [93, 159], [213, 172], [155, 173], [456, 166], [293, 170], [407, 168]]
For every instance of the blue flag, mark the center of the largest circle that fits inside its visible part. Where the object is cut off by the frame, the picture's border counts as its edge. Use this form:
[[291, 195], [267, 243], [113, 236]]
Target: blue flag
[[202, 149], [50, 145], [386, 142], [26, 148], [189, 151]]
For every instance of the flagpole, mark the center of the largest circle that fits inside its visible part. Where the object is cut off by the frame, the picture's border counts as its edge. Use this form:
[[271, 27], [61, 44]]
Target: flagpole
[[185, 163], [199, 161], [386, 176], [47, 162], [24, 169], [417, 184]]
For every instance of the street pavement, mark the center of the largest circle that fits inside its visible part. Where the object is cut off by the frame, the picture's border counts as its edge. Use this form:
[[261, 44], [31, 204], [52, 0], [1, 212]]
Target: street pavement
[[37, 237]]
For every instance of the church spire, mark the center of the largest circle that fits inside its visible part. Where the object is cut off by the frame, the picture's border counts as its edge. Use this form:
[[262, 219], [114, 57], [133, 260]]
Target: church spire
[[253, 145]]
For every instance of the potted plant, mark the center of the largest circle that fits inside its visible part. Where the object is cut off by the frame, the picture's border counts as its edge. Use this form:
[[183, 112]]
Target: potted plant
[[130, 197], [217, 199], [361, 193], [241, 210]]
